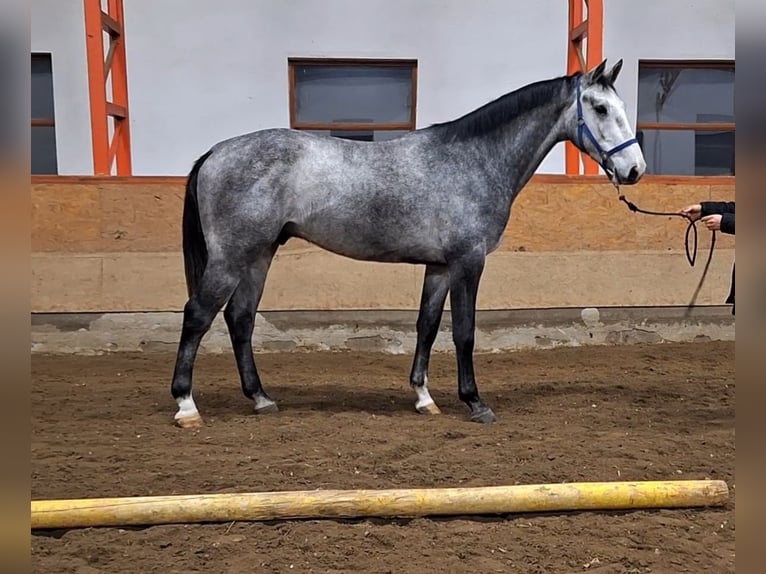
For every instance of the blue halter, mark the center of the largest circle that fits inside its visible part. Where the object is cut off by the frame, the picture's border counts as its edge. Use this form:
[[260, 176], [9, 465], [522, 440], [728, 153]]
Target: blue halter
[[582, 127]]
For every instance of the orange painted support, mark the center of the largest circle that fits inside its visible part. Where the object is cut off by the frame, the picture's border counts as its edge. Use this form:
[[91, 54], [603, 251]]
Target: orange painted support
[[584, 29], [112, 67]]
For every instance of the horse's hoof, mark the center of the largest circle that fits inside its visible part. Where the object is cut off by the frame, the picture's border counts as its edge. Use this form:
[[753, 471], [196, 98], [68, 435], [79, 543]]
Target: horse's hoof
[[484, 416], [429, 409], [266, 409], [190, 422]]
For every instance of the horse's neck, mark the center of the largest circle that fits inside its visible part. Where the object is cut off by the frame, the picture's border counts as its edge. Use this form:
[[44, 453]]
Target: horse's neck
[[524, 143]]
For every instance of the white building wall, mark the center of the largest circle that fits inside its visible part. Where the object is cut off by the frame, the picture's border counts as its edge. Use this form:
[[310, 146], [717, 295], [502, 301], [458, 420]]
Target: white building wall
[[670, 30], [673, 30], [200, 71], [58, 28]]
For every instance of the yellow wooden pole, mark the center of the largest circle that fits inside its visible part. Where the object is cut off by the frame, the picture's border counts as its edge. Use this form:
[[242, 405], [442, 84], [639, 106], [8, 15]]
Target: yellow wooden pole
[[229, 507]]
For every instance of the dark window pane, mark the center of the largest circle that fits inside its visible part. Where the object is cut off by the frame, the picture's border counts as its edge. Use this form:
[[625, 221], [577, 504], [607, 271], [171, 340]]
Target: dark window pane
[[332, 94], [687, 152], [714, 153], [361, 135], [685, 95], [43, 156], [42, 87]]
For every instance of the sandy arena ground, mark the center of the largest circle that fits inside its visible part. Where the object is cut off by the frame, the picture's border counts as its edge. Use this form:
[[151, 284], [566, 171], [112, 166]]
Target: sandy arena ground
[[102, 426]]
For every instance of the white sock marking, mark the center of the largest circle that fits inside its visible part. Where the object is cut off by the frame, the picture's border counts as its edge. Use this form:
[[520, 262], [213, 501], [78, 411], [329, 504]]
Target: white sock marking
[[261, 402], [186, 408], [424, 397]]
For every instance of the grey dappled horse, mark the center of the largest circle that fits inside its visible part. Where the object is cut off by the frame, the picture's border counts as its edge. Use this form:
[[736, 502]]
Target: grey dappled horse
[[439, 196]]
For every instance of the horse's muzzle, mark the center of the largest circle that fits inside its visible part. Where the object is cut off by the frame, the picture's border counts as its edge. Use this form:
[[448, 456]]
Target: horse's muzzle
[[634, 174]]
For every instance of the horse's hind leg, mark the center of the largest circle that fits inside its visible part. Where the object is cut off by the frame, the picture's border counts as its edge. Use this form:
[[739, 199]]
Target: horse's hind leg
[[435, 288], [240, 320], [216, 286]]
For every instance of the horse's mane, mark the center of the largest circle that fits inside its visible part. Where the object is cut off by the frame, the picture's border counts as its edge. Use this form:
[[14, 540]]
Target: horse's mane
[[502, 110]]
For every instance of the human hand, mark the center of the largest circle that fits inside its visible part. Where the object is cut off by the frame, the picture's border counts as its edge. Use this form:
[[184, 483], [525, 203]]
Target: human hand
[[693, 211], [713, 222]]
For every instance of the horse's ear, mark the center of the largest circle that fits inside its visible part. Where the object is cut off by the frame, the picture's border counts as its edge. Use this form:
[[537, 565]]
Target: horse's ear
[[611, 75], [596, 73]]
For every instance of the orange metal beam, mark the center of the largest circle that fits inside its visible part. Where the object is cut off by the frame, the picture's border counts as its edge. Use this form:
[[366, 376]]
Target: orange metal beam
[[97, 86], [574, 53], [579, 32], [120, 93], [102, 68], [595, 33], [589, 30]]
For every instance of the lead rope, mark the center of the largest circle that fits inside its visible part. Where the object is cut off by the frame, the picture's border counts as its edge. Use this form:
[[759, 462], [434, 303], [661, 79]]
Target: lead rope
[[691, 255]]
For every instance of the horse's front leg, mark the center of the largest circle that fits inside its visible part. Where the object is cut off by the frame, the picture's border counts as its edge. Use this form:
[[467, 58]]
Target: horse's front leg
[[465, 274], [435, 287]]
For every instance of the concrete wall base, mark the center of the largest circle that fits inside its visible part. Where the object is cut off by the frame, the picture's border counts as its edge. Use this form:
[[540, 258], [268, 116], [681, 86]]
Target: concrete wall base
[[384, 331]]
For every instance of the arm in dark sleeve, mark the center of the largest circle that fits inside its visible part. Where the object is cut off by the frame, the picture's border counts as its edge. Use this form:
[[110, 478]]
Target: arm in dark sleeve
[[714, 207], [727, 223]]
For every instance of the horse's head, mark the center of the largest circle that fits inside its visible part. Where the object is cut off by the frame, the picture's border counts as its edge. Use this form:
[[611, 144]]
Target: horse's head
[[598, 126]]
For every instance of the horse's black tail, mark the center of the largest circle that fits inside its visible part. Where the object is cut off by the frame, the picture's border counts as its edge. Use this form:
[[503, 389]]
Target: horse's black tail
[[194, 246]]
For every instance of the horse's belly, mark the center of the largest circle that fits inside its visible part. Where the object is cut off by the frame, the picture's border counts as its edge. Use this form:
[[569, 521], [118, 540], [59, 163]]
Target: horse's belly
[[367, 245]]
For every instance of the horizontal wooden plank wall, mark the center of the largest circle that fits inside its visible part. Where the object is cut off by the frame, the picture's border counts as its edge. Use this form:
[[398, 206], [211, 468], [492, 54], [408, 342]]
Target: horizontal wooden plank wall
[[113, 244]]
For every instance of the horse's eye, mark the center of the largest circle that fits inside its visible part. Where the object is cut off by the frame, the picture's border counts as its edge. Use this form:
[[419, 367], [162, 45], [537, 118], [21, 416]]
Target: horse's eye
[[600, 110]]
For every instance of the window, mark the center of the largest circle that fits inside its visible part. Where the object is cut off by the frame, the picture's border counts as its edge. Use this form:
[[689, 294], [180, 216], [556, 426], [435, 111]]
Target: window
[[686, 117], [368, 100], [43, 141]]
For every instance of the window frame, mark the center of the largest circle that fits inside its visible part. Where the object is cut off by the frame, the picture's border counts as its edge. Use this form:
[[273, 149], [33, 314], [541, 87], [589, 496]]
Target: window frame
[[686, 64], [409, 125], [686, 126], [719, 64], [44, 122]]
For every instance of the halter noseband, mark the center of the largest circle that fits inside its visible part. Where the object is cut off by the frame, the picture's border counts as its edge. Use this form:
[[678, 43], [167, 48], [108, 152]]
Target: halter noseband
[[582, 127]]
